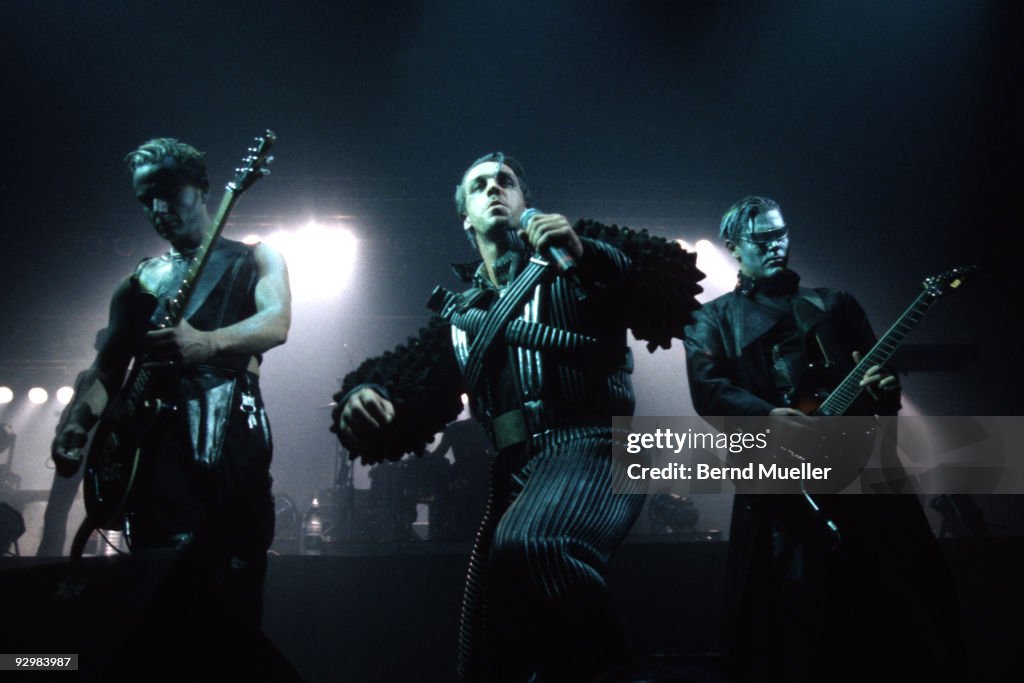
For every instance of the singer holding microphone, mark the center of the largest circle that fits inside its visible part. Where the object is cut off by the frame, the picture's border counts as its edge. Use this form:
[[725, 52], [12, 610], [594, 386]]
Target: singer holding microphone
[[538, 342]]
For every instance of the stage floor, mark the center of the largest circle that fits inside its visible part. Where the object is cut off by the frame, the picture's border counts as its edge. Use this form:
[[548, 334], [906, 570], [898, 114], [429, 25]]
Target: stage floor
[[392, 615]]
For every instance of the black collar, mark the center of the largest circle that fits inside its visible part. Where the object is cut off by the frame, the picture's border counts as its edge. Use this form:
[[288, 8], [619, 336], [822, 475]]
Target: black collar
[[506, 267], [786, 282]]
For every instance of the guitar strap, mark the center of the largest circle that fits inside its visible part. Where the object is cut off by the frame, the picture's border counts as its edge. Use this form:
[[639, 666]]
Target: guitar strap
[[218, 262], [221, 259]]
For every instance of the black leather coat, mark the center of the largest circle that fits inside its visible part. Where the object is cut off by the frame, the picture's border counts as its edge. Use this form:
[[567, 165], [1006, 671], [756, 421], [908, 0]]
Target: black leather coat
[[729, 349]]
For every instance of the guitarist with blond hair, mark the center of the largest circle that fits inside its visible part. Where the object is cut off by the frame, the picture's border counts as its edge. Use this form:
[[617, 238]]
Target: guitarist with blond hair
[[198, 475]]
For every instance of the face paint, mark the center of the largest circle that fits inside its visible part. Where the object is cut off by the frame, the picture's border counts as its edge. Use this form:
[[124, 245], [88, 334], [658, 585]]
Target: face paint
[[173, 205]]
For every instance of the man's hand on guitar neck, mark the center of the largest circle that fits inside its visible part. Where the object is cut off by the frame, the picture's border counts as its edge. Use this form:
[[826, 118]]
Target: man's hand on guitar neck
[[877, 378], [180, 344], [877, 381]]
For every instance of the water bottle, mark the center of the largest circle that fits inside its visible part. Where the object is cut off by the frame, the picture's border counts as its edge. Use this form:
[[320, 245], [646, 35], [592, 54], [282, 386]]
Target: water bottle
[[313, 530]]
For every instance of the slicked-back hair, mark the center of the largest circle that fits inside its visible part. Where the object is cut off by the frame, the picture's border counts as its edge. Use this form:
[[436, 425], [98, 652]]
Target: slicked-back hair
[[187, 158], [739, 219], [499, 158]]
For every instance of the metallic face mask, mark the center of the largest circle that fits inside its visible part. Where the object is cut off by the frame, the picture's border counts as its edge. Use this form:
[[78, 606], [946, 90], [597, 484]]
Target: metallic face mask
[[766, 229], [765, 238]]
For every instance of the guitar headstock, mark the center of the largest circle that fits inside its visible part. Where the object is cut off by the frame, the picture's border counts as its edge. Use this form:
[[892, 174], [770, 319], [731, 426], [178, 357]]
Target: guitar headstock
[[254, 165], [944, 283]]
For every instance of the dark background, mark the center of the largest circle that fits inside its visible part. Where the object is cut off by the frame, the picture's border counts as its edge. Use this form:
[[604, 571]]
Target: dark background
[[889, 132]]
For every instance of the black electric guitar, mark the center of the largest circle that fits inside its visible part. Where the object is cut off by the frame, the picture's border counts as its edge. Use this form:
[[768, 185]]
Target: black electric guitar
[[113, 458], [848, 449], [838, 401]]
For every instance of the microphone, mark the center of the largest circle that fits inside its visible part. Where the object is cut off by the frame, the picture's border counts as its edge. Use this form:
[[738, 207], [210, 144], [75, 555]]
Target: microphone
[[562, 259]]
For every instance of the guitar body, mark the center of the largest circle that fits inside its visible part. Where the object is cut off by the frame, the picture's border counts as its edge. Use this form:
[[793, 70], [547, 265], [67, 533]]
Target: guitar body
[[840, 445], [816, 385], [114, 454]]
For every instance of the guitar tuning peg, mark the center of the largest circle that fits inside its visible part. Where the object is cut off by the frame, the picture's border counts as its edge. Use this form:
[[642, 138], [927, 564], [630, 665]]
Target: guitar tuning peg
[[269, 159], [265, 171]]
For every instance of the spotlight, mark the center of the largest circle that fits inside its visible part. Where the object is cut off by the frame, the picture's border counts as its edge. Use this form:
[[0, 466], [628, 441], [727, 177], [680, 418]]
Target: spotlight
[[6, 395], [64, 395], [251, 239], [38, 395], [718, 266], [320, 258]]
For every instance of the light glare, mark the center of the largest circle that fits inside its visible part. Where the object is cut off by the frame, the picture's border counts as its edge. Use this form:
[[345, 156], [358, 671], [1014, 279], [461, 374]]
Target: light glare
[[38, 395], [718, 266], [320, 259]]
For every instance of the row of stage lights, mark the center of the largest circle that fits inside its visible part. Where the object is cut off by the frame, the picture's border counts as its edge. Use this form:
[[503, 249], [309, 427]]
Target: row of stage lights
[[38, 395]]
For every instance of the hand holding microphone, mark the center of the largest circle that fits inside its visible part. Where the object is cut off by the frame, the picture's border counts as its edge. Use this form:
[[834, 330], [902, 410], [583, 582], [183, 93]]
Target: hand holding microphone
[[561, 256]]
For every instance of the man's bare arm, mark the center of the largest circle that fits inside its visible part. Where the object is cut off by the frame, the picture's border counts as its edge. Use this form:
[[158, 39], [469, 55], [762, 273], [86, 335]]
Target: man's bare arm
[[266, 328]]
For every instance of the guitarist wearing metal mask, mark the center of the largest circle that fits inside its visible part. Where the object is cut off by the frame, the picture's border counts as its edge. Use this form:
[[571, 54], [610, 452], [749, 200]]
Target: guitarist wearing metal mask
[[197, 437], [853, 590]]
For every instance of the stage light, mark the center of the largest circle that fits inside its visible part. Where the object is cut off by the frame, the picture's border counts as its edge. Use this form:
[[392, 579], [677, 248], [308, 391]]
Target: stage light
[[38, 395], [251, 239], [320, 258], [64, 395], [6, 395], [718, 266]]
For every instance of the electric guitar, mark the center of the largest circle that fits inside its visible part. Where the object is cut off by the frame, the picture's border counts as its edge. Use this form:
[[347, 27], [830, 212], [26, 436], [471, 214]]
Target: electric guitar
[[838, 401], [848, 449], [113, 458]]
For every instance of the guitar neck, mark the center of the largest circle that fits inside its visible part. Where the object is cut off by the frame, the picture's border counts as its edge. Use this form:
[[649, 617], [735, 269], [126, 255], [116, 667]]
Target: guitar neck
[[176, 308], [844, 395]]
